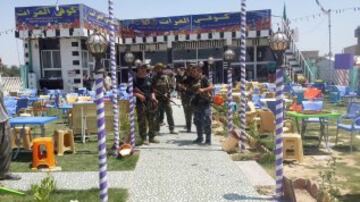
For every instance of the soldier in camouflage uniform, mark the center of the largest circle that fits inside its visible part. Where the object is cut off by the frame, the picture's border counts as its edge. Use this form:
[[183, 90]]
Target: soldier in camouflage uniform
[[201, 104], [146, 105], [162, 88], [183, 81]]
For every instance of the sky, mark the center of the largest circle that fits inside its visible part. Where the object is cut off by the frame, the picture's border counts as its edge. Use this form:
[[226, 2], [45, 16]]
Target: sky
[[313, 33]]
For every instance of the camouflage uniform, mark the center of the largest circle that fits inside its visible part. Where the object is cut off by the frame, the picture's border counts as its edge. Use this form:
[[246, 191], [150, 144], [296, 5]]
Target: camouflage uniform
[[145, 110], [201, 105], [183, 83], [163, 88]]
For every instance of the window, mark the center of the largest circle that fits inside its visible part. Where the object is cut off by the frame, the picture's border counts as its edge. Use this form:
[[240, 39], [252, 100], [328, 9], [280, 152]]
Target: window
[[87, 60], [74, 44], [52, 74], [221, 35], [51, 63], [75, 53], [76, 62]]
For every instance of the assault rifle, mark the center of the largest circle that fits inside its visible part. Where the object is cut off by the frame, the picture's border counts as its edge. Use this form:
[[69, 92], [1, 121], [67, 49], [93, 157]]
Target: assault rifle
[[164, 96], [153, 104]]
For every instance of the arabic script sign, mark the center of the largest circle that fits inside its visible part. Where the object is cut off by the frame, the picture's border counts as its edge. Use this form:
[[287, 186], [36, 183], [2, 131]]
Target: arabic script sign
[[74, 16], [256, 20], [67, 16]]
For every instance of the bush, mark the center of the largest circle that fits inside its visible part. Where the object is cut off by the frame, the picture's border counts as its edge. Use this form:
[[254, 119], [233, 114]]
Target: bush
[[42, 191]]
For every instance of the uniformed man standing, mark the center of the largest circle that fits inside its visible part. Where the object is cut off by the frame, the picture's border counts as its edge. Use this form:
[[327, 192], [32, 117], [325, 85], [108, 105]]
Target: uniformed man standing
[[183, 82], [201, 104], [146, 105], [162, 88], [5, 145]]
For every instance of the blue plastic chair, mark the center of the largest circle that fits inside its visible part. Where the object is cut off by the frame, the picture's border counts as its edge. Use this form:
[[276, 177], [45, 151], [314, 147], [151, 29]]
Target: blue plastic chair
[[10, 105], [353, 114], [272, 106], [256, 100], [313, 106], [22, 103]]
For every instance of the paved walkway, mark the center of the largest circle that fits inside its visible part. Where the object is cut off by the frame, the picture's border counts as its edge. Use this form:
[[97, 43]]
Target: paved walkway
[[177, 170], [174, 170]]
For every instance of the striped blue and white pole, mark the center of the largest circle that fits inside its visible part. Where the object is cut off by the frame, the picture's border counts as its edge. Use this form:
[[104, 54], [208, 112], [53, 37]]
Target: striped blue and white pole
[[114, 78], [230, 125], [132, 107], [243, 74], [103, 181], [279, 132]]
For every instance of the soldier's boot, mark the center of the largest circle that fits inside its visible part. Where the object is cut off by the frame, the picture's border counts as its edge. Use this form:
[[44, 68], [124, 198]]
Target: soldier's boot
[[173, 132], [154, 140], [208, 139], [199, 138]]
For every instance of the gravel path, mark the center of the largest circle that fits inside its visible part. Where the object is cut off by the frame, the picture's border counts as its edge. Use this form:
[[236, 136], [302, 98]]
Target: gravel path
[[177, 170], [72, 180]]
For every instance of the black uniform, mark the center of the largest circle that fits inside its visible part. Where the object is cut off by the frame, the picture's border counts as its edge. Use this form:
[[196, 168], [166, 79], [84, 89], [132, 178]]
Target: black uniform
[[201, 104]]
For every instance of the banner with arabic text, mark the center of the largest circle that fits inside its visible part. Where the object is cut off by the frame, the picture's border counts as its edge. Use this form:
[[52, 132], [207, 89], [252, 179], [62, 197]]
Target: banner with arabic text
[[47, 17], [256, 21]]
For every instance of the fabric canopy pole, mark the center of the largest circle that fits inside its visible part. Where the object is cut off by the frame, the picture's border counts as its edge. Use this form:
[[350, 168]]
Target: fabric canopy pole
[[132, 107], [114, 78], [243, 74], [279, 175], [103, 181], [230, 125]]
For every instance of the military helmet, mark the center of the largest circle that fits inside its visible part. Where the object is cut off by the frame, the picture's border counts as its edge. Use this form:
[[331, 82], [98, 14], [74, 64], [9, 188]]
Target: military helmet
[[159, 66]]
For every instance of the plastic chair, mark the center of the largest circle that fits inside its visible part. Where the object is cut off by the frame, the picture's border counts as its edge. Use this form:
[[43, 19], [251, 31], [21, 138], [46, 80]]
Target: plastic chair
[[267, 121], [43, 153], [22, 103], [272, 106], [293, 148], [21, 141], [256, 100], [315, 106], [64, 141], [353, 114]]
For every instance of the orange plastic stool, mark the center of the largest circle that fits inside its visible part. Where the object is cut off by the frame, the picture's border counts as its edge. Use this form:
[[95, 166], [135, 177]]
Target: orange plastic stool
[[25, 141], [64, 141], [43, 153]]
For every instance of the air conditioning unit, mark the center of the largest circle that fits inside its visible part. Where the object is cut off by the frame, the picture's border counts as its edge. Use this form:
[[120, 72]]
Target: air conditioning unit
[[33, 82]]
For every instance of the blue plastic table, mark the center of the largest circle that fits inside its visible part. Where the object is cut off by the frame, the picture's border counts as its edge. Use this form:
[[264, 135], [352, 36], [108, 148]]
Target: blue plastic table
[[32, 120]]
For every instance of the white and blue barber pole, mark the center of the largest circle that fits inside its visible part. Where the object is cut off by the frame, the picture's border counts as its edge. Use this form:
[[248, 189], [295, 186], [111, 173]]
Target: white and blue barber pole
[[114, 77], [101, 138], [243, 75]]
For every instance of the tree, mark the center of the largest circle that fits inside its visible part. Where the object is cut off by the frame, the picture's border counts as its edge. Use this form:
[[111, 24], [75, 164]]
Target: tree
[[13, 71]]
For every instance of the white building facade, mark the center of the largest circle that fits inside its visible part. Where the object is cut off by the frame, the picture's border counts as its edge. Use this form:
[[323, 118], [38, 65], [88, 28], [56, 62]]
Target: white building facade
[[56, 53]]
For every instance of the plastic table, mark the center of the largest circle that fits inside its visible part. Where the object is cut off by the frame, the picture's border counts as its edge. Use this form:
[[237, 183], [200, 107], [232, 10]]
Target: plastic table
[[32, 120], [322, 116]]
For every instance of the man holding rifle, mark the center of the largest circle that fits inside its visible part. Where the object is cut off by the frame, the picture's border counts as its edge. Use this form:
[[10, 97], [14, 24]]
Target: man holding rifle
[[183, 82], [146, 105], [201, 104], [162, 88]]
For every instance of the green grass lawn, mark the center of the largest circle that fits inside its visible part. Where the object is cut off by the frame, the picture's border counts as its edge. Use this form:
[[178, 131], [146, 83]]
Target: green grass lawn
[[85, 158], [348, 164], [115, 195]]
